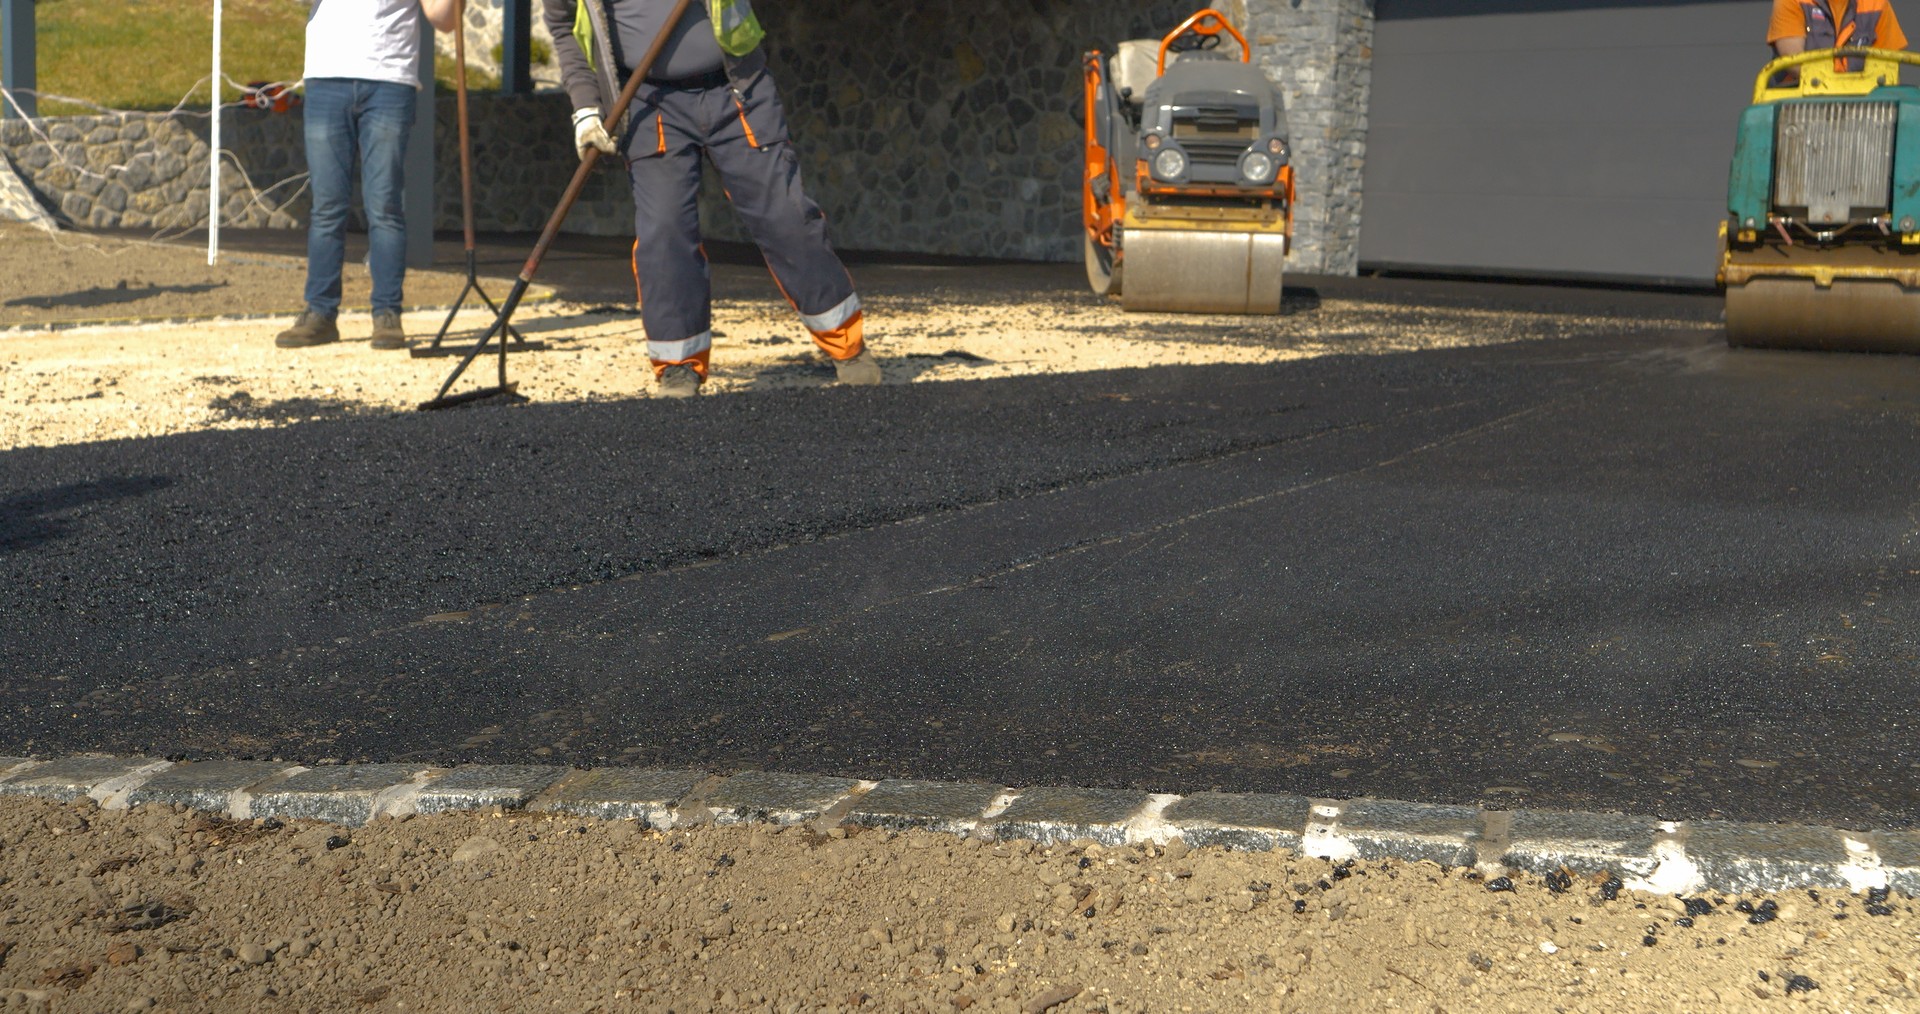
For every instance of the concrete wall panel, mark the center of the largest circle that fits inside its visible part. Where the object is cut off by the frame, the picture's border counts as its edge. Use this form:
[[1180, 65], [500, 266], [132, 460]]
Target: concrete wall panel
[[1569, 137]]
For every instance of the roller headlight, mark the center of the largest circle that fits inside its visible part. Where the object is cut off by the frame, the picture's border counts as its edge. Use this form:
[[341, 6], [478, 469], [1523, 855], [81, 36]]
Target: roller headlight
[[1170, 164], [1256, 167]]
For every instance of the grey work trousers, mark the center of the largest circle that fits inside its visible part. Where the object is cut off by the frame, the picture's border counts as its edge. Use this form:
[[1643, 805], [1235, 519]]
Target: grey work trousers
[[743, 132]]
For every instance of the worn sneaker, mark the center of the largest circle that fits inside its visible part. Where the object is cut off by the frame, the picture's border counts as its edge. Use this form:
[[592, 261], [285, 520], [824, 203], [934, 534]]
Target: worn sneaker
[[387, 332], [309, 329], [861, 371], [680, 382]]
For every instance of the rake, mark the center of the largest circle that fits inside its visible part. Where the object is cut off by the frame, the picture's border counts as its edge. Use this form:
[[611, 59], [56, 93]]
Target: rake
[[500, 326], [435, 348]]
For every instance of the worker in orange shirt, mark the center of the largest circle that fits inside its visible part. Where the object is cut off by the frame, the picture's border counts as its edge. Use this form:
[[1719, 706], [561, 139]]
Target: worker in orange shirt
[[1800, 25]]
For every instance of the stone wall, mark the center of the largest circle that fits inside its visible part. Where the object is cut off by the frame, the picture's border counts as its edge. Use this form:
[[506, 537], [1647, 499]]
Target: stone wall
[[17, 203], [523, 160], [483, 33], [945, 126], [1320, 54], [149, 170]]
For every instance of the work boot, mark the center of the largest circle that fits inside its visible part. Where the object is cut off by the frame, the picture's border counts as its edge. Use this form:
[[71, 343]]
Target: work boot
[[387, 332], [309, 329], [680, 382], [861, 371]]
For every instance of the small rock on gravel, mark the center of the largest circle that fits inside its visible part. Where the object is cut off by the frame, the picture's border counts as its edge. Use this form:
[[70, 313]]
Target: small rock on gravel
[[1052, 998], [474, 848]]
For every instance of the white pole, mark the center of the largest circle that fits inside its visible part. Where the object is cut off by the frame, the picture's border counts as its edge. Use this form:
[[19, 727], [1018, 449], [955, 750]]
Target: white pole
[[213, 152]]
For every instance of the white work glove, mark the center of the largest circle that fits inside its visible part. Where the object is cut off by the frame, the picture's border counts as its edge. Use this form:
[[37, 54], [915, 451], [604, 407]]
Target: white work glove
[[589, 132]]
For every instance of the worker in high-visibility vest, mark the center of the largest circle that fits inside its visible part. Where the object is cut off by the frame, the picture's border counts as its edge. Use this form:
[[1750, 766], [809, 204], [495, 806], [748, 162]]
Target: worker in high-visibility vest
[[1801, 25], [707, 94]]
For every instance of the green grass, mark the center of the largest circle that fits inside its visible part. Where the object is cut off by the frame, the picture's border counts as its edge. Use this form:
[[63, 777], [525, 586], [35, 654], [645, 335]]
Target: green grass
[[537, 52], [477, 80], [149, 54]]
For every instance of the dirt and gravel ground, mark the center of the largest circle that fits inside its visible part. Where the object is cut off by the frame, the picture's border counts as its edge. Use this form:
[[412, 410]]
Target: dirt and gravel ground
[[927, 323], [158, 909], [70, 278]]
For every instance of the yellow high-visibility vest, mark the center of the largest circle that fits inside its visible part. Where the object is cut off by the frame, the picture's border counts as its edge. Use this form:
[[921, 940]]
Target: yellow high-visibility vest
[[735, 27]]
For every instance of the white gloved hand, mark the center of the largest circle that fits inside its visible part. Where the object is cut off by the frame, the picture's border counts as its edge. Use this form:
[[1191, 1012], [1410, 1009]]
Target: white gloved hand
[[589, 132]]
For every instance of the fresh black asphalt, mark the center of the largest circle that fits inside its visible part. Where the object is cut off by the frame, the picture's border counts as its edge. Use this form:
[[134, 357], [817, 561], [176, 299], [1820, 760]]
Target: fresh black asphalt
[[1591, 573]]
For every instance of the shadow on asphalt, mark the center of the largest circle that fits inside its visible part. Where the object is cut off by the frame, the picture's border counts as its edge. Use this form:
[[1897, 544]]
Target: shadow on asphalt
[[30, 518]]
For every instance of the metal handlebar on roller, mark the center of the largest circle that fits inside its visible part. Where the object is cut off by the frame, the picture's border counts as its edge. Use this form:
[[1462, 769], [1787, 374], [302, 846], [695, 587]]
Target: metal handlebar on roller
[[1206, 22], [1816, 57]]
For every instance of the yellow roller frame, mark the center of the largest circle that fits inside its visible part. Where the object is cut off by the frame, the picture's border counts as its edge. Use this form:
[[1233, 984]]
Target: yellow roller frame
[[1867, 267], [1220, 219], [1823, 74]]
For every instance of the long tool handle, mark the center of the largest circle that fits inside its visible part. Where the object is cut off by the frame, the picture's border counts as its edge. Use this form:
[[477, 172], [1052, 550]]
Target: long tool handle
[[612, 117], [460, 107]]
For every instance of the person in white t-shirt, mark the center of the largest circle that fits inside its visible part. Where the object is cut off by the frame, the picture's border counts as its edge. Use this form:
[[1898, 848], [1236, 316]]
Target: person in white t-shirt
[[362, 76]]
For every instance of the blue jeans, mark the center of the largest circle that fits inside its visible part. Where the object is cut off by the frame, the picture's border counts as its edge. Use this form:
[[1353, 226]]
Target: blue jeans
[[348, 117]]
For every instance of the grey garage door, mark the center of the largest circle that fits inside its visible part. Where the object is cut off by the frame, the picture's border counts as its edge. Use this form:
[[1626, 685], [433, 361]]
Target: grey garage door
[[1555, 137]]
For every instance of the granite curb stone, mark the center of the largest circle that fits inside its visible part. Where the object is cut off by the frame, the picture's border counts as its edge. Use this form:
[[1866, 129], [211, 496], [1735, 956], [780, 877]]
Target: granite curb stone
[[478, 786], [1062, 815], [1383, 829], [1900, 857], [776, 798], [1743, 857], [644, 794], [906, 804], [206, 785], [341, 794], [69, 778], [1252, 821], [1701, 855], [1544, 841]]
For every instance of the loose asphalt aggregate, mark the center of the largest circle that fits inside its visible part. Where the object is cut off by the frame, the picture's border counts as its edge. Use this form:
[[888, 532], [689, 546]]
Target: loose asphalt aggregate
[[1644, 574]]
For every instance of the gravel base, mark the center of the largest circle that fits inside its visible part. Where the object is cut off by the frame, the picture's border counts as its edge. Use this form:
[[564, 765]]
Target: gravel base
[[162, 908]]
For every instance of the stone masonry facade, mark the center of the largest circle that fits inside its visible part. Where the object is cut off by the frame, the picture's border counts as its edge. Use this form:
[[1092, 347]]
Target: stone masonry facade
[[149, 170], [1320, 54], [485, 25], [940, 128]]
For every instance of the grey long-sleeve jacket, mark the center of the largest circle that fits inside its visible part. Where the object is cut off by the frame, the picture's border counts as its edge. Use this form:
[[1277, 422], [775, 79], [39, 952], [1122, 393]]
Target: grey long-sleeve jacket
[[597, 83]]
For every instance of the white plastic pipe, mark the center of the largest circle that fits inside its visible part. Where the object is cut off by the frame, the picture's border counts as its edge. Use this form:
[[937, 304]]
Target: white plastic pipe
[[213, 150]]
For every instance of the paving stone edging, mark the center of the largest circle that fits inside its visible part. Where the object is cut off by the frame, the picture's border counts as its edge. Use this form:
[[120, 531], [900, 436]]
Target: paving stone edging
[[1648, 854]]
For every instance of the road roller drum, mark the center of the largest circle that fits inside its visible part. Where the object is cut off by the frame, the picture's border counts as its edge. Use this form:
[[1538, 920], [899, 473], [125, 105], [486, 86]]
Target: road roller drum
[[1847, 316], [1196, 271]]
